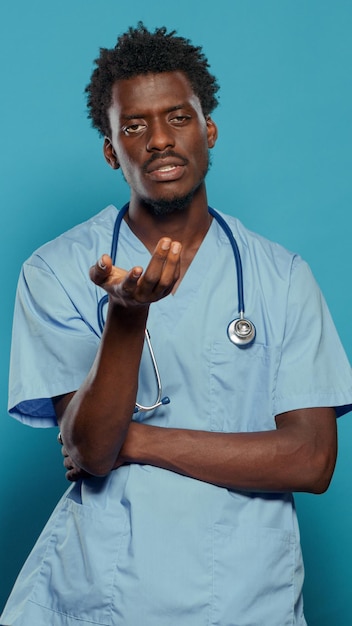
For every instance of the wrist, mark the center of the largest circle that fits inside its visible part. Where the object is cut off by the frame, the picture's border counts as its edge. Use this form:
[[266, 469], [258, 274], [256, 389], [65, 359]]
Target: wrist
[[130, 317], [132, 449]]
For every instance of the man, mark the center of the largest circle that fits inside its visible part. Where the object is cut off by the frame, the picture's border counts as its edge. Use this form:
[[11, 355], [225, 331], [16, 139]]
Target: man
[[182, 513]]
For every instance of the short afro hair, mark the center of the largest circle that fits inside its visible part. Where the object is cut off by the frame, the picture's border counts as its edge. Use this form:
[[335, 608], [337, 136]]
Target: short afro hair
[[139, 51]]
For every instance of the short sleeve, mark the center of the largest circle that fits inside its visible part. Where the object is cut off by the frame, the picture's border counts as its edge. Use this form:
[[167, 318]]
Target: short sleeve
[[313, 370], [53, 345]]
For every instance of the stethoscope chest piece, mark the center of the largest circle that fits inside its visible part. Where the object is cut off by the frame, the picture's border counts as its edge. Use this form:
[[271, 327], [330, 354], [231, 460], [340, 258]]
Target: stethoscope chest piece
[[241, 332]]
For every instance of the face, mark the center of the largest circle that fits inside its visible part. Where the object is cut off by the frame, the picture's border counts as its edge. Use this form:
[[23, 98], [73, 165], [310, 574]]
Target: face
[[159, 137]]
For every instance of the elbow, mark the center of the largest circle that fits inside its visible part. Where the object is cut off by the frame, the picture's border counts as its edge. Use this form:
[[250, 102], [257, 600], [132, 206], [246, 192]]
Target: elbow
[[93, 463], [312, 441], [319, 486], [88, 456], [94, 457], [321, 471], [321, 483]]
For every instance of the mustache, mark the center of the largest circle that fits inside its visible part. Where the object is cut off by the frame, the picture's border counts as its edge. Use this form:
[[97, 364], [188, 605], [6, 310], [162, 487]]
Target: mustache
[[159, 156]]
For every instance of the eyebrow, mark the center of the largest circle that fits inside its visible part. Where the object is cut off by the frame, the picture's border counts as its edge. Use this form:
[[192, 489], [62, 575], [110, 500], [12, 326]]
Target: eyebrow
[[135, 116]]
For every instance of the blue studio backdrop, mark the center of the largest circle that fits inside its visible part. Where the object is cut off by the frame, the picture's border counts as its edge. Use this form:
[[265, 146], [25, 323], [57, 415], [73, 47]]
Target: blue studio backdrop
[[282, 164]]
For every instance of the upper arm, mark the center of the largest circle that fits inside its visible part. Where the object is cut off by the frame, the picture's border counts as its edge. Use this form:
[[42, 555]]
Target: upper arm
[[312, 434], [313, 368], [60, 404], [53, 345]]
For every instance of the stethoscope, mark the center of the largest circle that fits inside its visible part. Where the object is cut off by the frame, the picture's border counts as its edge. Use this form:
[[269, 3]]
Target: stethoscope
[[241, 331]]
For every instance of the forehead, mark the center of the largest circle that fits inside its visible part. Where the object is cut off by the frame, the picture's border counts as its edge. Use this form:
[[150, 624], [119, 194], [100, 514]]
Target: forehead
[[148, 93]]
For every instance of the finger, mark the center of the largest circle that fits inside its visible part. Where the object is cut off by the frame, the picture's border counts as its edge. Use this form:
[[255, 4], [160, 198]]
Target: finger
[[73, 475], [157, 261], [130, 281], [168, 272], [171, 269], [101, 271], [69, 476], [163, 266], [68, 463]]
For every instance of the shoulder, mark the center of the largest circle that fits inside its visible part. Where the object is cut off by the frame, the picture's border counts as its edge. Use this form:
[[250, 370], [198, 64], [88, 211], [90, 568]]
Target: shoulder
[[259, 251], [81, 244]]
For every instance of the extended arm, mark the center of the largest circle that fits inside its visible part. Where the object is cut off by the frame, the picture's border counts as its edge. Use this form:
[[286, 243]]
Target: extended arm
[[299, 455], [94, 420]]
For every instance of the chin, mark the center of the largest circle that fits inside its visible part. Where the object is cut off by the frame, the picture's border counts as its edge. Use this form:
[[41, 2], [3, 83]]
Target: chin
[[166, 206]]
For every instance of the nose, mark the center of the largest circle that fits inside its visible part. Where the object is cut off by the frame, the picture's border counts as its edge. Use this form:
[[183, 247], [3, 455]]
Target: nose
[[160, 137]]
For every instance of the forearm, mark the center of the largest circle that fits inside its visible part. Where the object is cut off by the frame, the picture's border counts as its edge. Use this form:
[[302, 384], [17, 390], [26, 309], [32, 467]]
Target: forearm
[[95, 422], [281, 460]]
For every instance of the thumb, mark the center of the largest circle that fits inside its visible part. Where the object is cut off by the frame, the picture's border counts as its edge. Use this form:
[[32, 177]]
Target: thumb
[[99, 272]]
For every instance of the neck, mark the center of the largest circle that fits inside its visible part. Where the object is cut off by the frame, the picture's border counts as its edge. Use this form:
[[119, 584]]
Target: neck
[[188, 224]]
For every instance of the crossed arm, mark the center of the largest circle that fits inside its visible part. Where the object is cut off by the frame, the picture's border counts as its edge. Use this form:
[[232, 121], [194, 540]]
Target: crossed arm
[[95, 421]]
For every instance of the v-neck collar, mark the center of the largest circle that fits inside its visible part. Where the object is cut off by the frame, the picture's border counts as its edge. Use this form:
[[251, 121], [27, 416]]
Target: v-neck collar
[[174, 305]]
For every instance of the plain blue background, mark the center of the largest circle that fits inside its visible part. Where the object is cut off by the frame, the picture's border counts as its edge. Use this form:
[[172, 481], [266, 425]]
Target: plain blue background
[[282, 165]]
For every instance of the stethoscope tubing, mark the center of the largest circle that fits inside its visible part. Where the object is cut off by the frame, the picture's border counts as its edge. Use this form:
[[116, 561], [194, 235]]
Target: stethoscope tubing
[[115, 237], [226, 229], [241, 331]]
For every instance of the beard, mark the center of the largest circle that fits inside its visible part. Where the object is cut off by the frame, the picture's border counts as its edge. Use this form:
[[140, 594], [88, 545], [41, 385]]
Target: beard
[[167, 206]]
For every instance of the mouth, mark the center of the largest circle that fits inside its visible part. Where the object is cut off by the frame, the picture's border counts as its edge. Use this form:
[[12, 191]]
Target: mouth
[[165, 169]]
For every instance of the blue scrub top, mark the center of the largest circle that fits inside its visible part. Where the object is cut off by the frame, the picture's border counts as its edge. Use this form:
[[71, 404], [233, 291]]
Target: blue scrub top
[[146, 545]]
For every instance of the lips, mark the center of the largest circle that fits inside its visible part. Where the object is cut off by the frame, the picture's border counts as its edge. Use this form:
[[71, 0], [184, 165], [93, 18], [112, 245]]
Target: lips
[[165, 169]]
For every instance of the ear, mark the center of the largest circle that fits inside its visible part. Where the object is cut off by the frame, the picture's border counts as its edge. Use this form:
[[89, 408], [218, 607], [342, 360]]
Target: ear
[[110, 154], [212, 132]]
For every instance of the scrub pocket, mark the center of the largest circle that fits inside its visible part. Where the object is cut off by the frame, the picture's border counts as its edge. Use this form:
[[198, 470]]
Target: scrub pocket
[[76, 578], [240, 387], [253, 576]]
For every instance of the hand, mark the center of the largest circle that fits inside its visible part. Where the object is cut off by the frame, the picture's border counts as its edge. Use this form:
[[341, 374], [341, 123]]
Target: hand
[[74, 472], [134, 288]]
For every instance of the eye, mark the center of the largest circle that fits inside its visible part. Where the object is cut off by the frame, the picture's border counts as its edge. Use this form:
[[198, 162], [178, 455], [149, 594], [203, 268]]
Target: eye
[[180, 120], [132, 129]]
